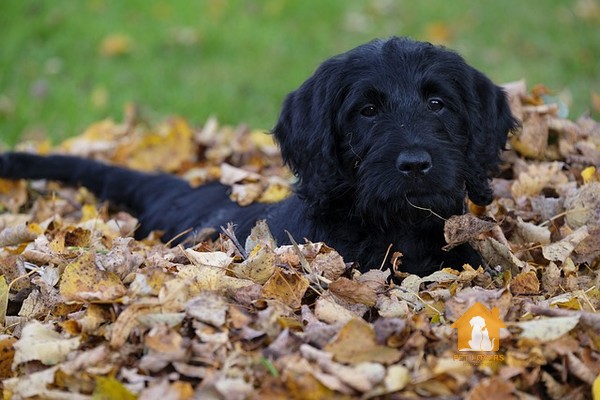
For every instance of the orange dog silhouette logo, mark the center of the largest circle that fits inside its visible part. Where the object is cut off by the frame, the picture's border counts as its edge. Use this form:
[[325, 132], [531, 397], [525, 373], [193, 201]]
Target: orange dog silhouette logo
[[479, 329]]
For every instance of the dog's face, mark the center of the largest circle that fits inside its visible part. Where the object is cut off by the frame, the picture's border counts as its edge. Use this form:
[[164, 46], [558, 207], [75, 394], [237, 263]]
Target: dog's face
[[478, 322], [395, 127]]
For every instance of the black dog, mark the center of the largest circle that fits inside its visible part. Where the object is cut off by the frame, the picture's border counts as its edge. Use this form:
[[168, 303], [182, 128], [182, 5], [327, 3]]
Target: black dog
[[384, 139]]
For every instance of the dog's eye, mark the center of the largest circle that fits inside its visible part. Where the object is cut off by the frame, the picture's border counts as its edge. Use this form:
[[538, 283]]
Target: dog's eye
[[369, 111], [435, 104]]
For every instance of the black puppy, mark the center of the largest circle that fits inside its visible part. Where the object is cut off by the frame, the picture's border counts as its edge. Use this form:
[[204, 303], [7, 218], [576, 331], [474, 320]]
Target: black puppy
[[386, 140]]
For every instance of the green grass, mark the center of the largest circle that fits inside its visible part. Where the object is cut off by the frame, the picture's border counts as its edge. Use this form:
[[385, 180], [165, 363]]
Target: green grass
[[237, 59]]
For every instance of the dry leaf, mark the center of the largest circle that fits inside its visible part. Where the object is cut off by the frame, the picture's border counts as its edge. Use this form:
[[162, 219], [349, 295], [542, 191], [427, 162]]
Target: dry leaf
[[559, 251], [258, 267], [537, 177], [42, 343], [460, 229], [208, 307], [116, 44], [7, 353], [18, 234], [353, 292], [83, 281], [583, 206], [525, 283], [547, 329], [286, 286], [356, 343]]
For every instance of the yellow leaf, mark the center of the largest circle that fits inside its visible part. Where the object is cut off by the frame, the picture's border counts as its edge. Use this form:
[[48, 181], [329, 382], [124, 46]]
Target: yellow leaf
[[275, 192], [166, 149], [13, 194], [108, 388], [596, 388], [83, 281], [438, 32], [258, 267], [128, 320], [3, 298], [588, 174], [88, 212], [286, 286], [116, 45]]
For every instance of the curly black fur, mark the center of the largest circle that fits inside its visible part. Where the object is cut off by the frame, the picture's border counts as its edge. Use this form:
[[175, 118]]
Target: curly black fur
[[386, 140]]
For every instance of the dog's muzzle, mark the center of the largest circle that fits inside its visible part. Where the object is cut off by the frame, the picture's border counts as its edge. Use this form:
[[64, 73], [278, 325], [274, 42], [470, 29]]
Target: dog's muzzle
[[414, 163]]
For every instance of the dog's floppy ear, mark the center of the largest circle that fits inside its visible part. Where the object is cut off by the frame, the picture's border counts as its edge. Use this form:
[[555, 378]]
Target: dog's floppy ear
[[306, 129], [490, 121]]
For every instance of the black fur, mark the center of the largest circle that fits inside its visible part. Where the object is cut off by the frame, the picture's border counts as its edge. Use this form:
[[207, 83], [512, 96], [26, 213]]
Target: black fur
[[386, 140]]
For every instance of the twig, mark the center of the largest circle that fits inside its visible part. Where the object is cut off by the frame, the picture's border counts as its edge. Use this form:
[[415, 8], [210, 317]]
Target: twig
[[231, 235]]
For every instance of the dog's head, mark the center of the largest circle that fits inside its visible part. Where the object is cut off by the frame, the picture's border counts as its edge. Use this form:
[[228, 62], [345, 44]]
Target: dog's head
[[395, 125], [478, 322]]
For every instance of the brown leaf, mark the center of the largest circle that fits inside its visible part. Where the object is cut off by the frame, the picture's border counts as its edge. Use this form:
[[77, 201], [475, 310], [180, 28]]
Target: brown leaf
[[356, 343], [18, 234], [525, 283], [330, 264], [493, 389], [353, 292], [462, 301], [7, 353], [532, 141], [583, 206], [460, 229], [551, 279]]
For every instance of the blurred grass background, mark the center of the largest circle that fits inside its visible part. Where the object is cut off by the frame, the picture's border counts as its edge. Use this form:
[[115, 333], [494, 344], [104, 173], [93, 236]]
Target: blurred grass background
[[65, 64]]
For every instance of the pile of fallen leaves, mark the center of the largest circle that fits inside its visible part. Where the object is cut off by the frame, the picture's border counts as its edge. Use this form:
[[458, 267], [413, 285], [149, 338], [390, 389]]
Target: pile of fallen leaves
[[88, 312]]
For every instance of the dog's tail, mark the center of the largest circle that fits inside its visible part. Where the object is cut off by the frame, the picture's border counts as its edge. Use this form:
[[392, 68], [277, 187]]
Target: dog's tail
[[132, 189]]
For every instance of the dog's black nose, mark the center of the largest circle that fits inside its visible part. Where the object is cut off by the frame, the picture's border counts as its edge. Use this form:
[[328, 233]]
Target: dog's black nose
[[414, 163]]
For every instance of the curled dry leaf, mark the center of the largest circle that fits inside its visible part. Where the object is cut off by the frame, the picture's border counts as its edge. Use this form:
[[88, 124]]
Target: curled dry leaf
[[18, 234], [460, 229], [260, 235], [330, 264], [526, 232]]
